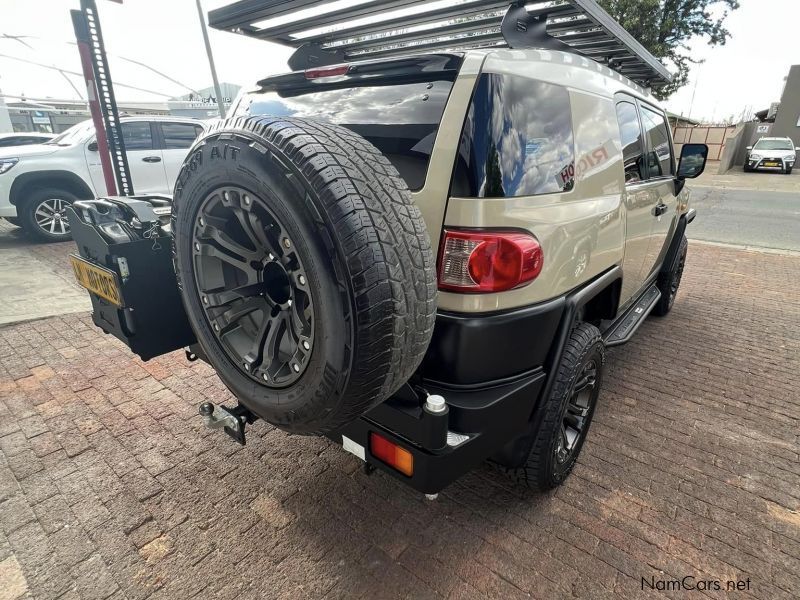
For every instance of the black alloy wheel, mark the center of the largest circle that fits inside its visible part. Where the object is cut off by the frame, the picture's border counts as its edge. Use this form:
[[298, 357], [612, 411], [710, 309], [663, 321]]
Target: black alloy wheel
[[253, 287], [562, 422], [576, 416]]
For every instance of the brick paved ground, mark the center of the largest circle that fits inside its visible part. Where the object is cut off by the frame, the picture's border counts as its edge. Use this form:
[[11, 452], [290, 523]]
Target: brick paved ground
[[111, 487]]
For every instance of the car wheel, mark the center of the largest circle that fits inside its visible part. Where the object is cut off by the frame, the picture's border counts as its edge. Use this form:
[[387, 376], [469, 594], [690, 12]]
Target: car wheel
[[305, 269], [788, 170], [670, 280], [566, 414], [44, 215]]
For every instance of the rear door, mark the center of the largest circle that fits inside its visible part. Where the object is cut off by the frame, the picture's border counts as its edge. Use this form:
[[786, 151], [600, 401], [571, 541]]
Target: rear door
[[640, 197], [661, 177], [144, 158], [176, 138]]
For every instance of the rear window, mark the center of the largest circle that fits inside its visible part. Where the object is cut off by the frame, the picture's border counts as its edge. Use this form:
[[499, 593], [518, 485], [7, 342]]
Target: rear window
[[401, 120], [517, 140]]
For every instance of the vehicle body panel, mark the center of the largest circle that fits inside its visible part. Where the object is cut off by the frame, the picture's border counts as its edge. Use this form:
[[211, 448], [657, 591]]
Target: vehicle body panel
[[149, 176], [583, 231]]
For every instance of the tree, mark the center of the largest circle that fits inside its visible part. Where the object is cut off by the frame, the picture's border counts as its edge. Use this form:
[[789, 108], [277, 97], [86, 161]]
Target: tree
[[664, 27]]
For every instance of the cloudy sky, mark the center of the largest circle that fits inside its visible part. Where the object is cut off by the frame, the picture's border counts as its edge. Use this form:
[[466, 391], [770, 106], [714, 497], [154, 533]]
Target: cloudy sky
[[36, 35]]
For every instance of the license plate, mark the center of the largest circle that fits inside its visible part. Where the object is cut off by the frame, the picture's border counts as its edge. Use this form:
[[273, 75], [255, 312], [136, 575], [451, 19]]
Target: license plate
[[97, 280], [771, 164]]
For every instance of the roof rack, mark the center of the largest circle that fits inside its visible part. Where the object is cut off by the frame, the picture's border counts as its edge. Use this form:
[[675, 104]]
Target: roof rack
[[345, 31]]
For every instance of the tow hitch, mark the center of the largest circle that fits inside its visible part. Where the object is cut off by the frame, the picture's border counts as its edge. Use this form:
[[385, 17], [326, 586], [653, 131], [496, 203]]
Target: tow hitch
[[232, 420]]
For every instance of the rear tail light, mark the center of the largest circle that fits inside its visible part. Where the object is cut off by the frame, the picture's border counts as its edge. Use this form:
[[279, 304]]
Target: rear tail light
[[390, 453], [488, 261], [333, 71]]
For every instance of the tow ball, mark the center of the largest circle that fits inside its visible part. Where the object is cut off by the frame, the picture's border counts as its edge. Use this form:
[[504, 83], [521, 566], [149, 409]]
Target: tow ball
[[232, 420]]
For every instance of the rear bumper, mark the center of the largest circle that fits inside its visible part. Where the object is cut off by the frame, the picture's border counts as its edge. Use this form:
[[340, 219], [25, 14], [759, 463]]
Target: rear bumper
[[477, 424], [491, 369]]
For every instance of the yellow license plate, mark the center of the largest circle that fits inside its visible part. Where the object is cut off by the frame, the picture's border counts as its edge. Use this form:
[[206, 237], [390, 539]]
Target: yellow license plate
[[772, 164], [97, 280]]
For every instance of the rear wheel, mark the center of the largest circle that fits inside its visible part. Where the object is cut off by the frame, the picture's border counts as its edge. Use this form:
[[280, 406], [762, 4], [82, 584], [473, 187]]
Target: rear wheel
[[566, 414], [305, 268], [44, 214]]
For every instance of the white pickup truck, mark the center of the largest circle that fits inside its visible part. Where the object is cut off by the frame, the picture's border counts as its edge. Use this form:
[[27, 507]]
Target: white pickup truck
[[38, 182]]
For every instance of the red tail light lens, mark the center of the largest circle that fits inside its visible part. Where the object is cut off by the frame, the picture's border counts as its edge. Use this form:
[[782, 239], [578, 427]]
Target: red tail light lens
[[488, 261], [333, 71], [393, 455]]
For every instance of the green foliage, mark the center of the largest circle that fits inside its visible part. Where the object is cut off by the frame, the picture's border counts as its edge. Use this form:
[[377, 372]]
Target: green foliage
[[665, 26]]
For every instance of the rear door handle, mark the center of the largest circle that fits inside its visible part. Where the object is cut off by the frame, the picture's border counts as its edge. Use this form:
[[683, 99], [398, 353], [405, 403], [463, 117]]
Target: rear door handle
[[661, 208], [152, 159]]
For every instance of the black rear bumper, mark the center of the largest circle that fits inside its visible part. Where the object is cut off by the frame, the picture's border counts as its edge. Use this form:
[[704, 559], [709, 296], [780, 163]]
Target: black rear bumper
[[477, 424], [490, 368]]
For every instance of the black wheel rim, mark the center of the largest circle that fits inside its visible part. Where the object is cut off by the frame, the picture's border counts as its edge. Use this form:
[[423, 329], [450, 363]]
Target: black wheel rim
[[51, 216], [253, 287], [576, 417]]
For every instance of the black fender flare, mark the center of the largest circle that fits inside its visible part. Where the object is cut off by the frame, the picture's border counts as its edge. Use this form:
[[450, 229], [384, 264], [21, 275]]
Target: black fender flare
[[675, 244]]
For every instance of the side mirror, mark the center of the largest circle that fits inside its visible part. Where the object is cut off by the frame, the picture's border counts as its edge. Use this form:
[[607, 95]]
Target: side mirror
[[797, 149], [693, 161], [92, 147], [749, 148]]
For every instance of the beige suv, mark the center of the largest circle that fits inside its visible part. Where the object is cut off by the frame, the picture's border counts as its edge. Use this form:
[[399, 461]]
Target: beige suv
[[421, 256]]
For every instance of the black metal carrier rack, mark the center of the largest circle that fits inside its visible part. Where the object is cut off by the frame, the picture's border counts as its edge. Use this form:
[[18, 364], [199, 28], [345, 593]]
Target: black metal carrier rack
[[327, 33]]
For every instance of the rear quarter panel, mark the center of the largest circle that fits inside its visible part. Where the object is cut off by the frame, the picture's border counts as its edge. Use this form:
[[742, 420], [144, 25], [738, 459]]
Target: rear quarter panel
[[582, 231]]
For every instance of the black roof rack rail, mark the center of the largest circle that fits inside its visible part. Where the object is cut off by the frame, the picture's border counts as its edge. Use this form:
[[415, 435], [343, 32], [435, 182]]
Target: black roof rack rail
[[383, 28]]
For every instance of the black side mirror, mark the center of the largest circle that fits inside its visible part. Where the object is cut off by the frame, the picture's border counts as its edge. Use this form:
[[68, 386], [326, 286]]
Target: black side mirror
[[92, 147], [693, 161]]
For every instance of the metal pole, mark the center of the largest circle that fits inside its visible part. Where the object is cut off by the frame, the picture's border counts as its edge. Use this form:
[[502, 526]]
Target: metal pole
[[82, 37], [204, 29]]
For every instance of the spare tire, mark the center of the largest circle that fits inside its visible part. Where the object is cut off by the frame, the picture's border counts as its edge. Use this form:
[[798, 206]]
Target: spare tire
[[305, 268]]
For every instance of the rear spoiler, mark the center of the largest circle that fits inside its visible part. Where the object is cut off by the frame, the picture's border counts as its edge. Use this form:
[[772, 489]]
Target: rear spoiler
[[391, 71]]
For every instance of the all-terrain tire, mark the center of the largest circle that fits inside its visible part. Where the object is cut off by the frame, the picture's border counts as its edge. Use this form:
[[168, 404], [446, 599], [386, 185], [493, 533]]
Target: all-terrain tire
[[43, 215], [670, 279], [363, 248], [542, 471]]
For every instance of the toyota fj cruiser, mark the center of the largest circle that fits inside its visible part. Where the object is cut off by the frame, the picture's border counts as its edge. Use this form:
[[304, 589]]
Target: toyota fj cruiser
[[420, 253]]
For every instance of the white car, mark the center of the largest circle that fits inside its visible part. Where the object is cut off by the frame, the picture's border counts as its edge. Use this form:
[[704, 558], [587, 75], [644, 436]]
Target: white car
[[771, 154], [38, 182]]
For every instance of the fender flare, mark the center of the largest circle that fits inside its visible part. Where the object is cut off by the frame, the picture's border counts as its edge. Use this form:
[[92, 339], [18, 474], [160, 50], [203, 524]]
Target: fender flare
[[70, 181]]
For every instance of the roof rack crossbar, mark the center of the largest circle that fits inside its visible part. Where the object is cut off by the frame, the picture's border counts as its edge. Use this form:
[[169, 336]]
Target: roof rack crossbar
[[375, 29]]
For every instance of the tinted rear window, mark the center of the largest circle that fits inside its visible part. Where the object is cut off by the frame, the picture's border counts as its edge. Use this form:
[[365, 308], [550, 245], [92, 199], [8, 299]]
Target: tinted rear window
[[517, 140], [400, 120]]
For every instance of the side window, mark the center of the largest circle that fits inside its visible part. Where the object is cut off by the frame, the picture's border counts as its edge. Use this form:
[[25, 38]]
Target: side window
[[630, 132], [659, 157], [179, 135], [137, 135], [517, 140]]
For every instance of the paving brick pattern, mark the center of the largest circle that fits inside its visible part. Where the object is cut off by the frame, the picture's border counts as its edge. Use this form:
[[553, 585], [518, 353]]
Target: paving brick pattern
[[110, 487]]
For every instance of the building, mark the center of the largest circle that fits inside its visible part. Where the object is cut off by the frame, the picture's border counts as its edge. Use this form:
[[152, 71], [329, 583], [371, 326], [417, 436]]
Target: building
[[49, 115], [203, 104], [787, 117], [46, 115]]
